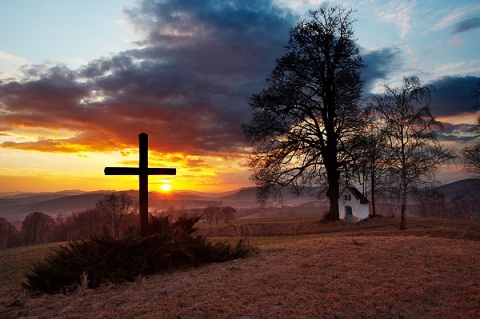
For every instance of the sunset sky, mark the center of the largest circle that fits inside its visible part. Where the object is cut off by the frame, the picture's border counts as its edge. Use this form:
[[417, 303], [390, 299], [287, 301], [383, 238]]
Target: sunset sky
[[79, 80]]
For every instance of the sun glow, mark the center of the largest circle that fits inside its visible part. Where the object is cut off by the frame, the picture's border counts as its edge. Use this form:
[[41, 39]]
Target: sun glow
[[165, 188]]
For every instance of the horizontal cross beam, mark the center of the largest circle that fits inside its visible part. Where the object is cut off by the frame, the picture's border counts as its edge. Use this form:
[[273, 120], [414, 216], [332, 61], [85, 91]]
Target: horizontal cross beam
[[138, 171]]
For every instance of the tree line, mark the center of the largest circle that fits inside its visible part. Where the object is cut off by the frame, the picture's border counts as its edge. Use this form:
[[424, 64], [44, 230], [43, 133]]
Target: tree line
[[311, 125], [115, 214]]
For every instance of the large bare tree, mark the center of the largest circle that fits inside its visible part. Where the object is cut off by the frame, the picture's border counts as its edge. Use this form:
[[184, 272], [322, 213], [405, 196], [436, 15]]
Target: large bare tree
[[411, 133], [304, 118]]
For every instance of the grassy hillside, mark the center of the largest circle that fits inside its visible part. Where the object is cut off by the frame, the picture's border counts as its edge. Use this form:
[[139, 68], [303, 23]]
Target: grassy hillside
[[336, 270], [263, 232], [15, 262], [416, 226]]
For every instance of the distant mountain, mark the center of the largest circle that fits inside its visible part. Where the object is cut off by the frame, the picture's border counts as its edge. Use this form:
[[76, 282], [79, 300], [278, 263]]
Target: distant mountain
[[67, 203], [15, 206], [457, 200], [467, 187], [18, 206], [245, 194]]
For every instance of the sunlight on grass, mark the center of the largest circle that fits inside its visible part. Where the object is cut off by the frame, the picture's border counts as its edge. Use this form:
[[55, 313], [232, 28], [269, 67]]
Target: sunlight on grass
[[15, 262]]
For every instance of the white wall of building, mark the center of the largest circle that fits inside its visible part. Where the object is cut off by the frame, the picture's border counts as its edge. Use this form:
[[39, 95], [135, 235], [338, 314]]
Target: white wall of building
[[347, 198]]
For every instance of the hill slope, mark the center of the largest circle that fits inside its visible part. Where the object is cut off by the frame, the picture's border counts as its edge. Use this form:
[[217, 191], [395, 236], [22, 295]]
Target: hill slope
[[370, 272]]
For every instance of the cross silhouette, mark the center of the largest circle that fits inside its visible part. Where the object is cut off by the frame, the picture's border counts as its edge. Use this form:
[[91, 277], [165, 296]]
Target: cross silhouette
[[142, 171]]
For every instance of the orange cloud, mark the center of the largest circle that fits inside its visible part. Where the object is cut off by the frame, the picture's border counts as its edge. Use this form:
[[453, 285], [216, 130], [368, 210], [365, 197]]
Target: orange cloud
[[86, 142]]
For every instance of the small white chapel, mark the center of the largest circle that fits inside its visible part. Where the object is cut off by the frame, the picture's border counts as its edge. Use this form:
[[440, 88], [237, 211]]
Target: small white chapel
[[352, 205]]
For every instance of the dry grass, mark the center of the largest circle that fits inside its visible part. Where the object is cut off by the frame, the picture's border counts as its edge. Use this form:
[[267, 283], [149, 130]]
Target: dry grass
[[369, 272], [458, 229]]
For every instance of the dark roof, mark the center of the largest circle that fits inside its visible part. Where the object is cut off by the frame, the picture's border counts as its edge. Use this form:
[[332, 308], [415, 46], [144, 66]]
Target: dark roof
[[358, 195]]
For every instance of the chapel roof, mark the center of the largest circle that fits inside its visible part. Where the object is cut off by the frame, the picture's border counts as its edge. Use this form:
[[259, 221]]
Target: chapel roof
[[358, 195]]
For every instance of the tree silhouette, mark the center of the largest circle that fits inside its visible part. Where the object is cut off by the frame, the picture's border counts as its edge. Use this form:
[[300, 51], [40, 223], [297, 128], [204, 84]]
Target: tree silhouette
[[303, 120], [116, 207], [228, 213], [8, 234], [87, 223], [410, 129], [471, 154], [212, 212], [370, 165], [38, 228]]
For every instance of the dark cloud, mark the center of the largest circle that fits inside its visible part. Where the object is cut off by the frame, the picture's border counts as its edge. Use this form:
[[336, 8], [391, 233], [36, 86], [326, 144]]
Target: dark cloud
[[454, 95], [462, 133], [187, 85], [466, 25], [379, 65]]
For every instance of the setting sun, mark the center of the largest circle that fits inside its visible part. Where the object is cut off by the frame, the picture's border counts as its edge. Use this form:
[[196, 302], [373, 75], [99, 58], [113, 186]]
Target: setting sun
[[166, 187]]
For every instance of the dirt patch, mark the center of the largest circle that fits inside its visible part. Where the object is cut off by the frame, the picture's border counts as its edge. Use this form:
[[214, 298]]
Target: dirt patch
[[318, 276]]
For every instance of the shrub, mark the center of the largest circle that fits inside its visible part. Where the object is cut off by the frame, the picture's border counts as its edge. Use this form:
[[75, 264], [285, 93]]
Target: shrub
[[104, 259]]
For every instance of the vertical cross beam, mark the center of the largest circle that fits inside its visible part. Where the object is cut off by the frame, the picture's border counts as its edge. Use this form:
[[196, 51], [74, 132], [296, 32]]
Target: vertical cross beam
[[142, 171], [143, 181]]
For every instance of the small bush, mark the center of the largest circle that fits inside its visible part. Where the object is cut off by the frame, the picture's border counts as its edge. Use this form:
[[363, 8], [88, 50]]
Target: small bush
[[104, 259]]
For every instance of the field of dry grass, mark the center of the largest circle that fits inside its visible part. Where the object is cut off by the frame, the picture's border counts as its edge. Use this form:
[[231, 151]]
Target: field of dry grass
[[367, 270]]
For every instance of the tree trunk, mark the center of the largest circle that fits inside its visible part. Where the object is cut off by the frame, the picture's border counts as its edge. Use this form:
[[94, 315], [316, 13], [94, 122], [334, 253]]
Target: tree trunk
[[329, 154], [333, 194], [372, 178], [403, 212]]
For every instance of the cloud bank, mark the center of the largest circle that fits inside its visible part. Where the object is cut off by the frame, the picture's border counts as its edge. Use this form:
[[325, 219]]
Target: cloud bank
[[187, 84], [454, 95]]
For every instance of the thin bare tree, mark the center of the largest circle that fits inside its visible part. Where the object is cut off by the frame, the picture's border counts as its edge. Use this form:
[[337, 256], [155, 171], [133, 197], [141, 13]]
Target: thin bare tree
[[411, 131], [471, 154], [370, 160]]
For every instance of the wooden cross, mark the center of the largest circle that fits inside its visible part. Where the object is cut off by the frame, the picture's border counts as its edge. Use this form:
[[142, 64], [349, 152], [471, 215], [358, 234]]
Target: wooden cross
[[142, 171]]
